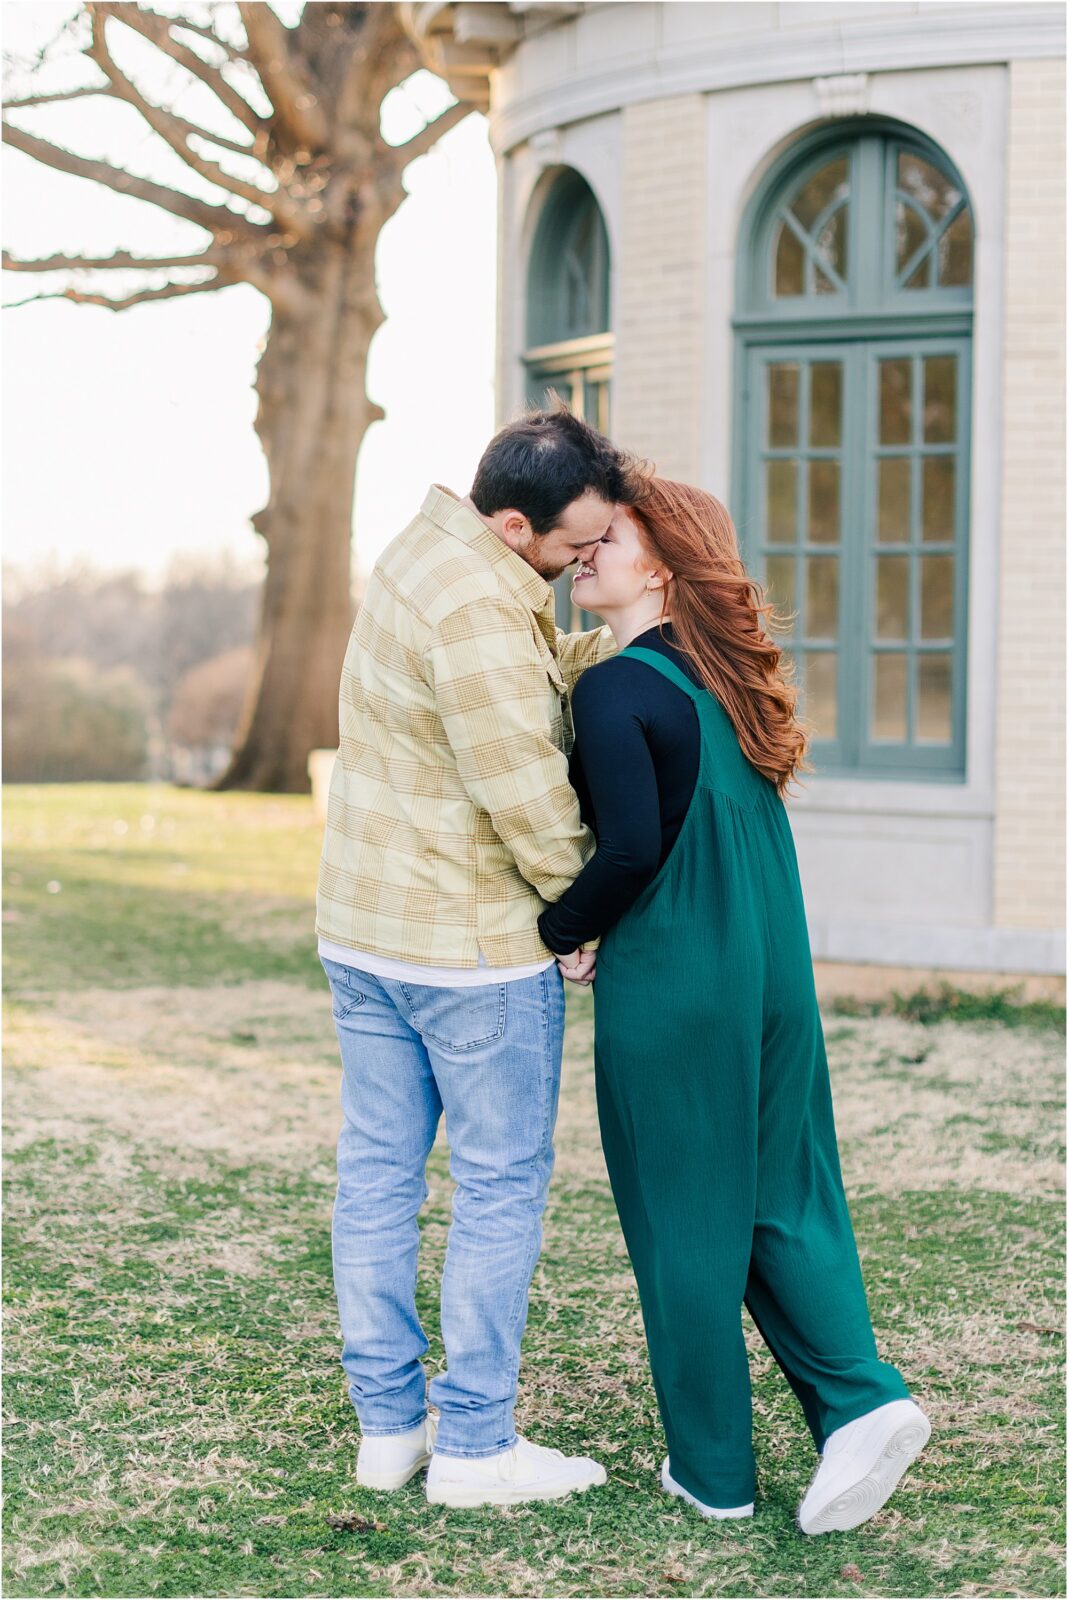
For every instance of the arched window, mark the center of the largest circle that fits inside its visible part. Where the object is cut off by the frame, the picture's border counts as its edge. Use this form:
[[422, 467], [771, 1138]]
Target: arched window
[[853, 324], [568, 339]]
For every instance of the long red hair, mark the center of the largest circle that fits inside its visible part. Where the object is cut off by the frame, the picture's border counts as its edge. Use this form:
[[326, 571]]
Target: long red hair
[[715, 609]]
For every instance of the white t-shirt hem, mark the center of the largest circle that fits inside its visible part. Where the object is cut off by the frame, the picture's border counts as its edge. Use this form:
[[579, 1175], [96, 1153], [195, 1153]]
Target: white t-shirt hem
[[413, 972]]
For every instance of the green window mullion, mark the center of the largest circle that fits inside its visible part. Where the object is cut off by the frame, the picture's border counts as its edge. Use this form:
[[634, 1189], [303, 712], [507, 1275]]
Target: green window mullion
[[804, 384], [913, 630], [868, 200], [962, 472], [856, 493]]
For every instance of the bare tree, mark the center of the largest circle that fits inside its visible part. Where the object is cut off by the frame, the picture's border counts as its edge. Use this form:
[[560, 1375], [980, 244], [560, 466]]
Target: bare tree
[[303, 193]]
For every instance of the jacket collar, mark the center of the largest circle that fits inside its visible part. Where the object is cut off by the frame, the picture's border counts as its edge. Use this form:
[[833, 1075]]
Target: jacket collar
[[448, 512]]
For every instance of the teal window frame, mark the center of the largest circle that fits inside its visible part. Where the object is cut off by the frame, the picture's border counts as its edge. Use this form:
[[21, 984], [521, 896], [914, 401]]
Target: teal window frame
[[871, 318]]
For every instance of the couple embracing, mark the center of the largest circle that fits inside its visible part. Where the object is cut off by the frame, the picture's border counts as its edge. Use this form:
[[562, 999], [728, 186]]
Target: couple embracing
[[513, 806]]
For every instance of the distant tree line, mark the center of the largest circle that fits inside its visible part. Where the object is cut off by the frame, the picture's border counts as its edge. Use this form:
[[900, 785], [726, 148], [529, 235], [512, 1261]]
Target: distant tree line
[[301, 182], [106, 677]]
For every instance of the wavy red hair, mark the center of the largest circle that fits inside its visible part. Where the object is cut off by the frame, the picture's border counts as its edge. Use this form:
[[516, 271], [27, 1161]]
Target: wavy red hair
[[715, 608]]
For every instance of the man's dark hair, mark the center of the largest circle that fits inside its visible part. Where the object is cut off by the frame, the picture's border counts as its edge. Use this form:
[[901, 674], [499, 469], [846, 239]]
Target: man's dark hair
[[546, 459]]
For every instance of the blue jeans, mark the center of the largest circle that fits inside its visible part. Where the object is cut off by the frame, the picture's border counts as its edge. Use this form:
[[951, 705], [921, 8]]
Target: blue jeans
[[489, 1057]]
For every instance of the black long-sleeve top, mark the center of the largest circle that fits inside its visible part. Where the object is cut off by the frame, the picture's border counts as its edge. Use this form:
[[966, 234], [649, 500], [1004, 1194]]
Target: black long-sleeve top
[[633, 766]]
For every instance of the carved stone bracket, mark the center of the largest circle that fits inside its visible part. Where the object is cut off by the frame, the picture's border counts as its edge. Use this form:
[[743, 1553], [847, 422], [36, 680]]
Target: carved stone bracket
[[846, 94]]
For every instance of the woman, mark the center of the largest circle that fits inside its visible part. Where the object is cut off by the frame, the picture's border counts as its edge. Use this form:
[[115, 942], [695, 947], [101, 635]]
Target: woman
[[711, 1074]]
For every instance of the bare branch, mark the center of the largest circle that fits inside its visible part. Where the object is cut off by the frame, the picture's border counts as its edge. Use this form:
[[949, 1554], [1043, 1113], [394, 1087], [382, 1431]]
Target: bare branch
[[283, 76], [387, 56], [58, 94], [428, 137], [122, 259], [255, 151], [251, 150], [174, 131], [281, 288], [169, 291], [204, 214], [106, 90], [237, 264], [234, 51], [156, 28]]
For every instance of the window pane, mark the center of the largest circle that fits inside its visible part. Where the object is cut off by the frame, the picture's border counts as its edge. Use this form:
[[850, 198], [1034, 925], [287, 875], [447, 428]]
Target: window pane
[[936, 597], [831, 241], [825, 404], [597, 405], [782, 502], [821, 597], [955, 252], [828, 184], [890, 698], [821, 693], [583, 262], [783, 387], [921, 278], [789, 263], [934, 704], [895, 401], [940, 399], [894, 478], [823, 502], [568, 271], [780, 583], [909, 233], [929, 188], [892, 597], [939, 492]]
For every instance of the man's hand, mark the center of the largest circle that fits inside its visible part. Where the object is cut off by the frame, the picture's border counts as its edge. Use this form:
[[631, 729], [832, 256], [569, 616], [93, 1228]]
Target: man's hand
[[579, 966]]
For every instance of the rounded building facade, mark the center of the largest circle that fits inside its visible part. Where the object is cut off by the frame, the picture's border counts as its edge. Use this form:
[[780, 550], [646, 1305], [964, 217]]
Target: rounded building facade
[[810, 257]]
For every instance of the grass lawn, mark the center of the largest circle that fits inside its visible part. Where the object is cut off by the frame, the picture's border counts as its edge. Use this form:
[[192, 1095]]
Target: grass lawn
[[176, 1416]]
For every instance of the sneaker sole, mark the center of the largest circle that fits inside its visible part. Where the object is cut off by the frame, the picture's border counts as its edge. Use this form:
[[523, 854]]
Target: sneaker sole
[[466, 1498], [669, 1486], [850, 1506]]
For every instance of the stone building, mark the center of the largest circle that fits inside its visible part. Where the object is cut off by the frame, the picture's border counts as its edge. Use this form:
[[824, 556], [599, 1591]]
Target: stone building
[[810, 257]]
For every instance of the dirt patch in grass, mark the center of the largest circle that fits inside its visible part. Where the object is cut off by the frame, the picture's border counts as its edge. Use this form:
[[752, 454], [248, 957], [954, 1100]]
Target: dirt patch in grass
[[179, 1416], [240, 1069]]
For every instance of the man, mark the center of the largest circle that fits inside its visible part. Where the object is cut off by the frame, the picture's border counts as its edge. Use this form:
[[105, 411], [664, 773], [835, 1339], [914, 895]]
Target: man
[[451, 824]]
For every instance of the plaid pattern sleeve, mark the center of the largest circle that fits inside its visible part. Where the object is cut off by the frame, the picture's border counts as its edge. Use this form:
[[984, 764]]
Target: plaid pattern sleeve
[[577, 651], [501, 701]]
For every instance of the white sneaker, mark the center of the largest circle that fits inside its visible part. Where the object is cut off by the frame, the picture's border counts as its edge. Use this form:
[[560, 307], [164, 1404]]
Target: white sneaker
[[860, 1465], [386, 1461], [525, 1471], [668, 1483]]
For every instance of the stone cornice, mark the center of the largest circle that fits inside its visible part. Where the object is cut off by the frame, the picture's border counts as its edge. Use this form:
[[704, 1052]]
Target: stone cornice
[[952, 36]]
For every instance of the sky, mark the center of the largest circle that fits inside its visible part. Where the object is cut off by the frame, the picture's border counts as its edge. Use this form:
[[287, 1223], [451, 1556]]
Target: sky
[[128, 437]]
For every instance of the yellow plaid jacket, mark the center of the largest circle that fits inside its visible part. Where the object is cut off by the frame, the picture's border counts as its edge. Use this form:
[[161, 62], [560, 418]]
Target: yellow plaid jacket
[[451, 821]]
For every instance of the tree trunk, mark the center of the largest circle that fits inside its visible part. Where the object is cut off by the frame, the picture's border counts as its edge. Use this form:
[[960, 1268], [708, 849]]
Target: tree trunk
[[313, 413]]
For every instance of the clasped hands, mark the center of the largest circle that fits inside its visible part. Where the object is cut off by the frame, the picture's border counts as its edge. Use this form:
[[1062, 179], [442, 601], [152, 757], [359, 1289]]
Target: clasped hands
[[579, 966]]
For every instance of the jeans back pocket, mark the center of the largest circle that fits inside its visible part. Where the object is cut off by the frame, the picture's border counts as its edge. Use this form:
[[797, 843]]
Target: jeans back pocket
[[457, 1019]]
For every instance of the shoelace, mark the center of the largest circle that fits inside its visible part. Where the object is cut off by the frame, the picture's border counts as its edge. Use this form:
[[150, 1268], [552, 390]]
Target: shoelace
[[512, 1465]]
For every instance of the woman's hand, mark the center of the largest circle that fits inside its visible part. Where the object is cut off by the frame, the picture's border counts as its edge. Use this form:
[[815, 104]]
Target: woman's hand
[[579, 966]]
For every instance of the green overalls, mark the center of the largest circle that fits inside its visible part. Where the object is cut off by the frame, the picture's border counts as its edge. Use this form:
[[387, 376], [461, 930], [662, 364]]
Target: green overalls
[[716, 1119]]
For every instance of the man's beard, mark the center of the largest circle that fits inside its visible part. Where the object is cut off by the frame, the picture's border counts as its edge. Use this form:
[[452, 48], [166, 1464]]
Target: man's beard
[[550, 571]]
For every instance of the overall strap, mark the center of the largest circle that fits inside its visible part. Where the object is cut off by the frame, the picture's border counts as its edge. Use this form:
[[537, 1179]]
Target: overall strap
[[668, 668]]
